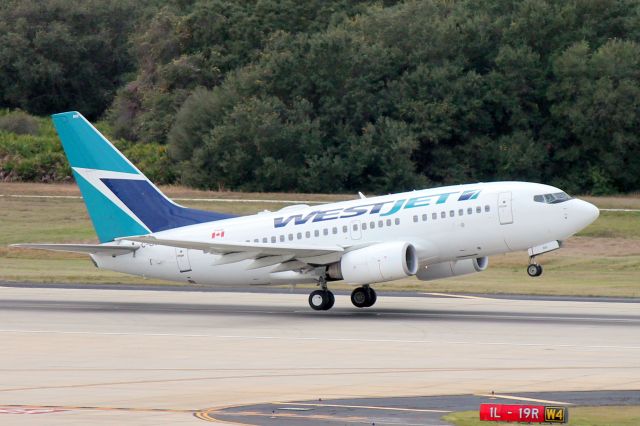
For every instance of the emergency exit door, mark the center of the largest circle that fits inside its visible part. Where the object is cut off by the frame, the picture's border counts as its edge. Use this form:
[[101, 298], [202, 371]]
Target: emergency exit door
[[505, 213], [182, 257]]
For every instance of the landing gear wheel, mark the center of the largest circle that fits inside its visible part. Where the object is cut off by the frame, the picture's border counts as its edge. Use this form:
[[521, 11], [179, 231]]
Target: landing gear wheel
[[321, 300], [363, 297], [372, 298], [331, 300], [534, 270]]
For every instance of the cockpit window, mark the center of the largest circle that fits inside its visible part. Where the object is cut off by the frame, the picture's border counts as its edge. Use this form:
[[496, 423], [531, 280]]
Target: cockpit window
[[558, 197]]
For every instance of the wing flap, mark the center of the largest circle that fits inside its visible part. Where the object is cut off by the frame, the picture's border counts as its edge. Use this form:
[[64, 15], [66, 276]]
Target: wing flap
[[225, 248], [81, 248]]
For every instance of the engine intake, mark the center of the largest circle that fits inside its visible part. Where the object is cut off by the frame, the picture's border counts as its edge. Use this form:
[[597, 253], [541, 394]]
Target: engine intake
[[377, 263], [453, 268]]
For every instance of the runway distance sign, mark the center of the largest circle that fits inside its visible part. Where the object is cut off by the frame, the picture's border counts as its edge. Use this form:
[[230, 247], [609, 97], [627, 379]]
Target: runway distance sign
[[523, 413]]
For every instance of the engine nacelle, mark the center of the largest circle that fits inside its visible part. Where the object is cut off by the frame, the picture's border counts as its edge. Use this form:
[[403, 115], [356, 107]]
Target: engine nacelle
[[453, 268], [377, 263]]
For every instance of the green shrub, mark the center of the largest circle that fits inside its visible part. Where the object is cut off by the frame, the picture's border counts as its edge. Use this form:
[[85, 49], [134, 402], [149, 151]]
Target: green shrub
[[19, 122]]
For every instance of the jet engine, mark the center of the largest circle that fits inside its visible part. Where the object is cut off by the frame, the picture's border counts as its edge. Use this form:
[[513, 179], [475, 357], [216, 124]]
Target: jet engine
[[453, 268], [376, 263]]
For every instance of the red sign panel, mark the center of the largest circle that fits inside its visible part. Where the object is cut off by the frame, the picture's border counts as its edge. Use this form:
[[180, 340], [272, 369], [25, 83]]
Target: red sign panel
[[522, 413]]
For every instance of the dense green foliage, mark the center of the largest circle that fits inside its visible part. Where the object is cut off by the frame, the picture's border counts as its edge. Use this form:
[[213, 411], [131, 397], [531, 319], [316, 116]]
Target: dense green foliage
[[36, 154], [339, 95]]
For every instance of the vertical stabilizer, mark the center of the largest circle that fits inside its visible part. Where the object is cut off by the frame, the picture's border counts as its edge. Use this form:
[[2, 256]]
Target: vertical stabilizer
[[120, 200]]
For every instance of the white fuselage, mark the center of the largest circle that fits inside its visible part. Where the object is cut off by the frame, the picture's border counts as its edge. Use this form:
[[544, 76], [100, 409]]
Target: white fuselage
[[443, 224]]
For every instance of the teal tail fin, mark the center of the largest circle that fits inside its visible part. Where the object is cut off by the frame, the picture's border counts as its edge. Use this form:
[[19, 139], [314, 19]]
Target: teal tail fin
[[120, 200]]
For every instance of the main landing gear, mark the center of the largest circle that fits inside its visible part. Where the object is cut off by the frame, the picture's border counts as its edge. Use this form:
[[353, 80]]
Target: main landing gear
[[323, 299], [363, 297]]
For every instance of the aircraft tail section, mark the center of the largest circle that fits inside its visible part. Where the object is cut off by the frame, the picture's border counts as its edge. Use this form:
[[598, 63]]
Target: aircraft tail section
[[120, 200]]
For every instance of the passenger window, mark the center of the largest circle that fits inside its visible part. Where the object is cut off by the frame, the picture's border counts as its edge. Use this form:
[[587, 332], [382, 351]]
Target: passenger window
[[397, 221], [307, 234], [424, 217], [469, 210], [372, 225], [355, 226], [264, 240], [290, 237], [316, 233], [434, 216], [335, 230], [460, 212], [273, 239], [478, 209], [487, 208], [388, 222], [380, 223], [299, 236], [256, 240], [451, 213], [364, 226], [415, 218], [325, 231], [345, 228], [282, 238], [443, 215]]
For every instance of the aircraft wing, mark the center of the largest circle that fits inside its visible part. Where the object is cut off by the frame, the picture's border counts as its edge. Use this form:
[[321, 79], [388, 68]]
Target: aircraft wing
[[80, 248], [253, 250]]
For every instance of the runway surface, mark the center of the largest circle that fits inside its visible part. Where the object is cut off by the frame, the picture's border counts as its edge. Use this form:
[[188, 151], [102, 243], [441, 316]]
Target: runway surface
[[90, 356]]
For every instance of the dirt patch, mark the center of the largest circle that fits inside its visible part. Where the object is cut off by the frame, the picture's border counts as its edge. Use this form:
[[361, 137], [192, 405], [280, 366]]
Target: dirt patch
[[589, 246]]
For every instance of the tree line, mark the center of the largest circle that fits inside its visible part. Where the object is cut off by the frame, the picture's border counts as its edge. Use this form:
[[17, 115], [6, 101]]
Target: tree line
[[337, 95]]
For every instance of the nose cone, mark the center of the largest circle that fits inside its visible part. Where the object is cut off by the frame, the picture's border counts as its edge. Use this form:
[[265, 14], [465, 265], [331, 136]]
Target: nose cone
[[583, 214]]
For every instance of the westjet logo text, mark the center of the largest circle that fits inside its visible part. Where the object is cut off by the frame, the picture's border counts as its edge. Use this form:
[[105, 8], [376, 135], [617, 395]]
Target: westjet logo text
[[385, 208]]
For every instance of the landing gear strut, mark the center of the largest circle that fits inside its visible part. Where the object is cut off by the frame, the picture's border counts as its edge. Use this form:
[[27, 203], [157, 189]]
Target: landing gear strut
[[363, 297], [322, 300], [534, 269]]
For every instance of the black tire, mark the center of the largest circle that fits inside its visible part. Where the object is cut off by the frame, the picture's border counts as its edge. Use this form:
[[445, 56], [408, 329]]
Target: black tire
[[532, 270], [331, 299], [539, 270], [359, 297], [372, 296], [317, 300]]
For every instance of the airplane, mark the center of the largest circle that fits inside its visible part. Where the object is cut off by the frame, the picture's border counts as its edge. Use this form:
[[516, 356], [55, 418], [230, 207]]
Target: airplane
[[430, 234]]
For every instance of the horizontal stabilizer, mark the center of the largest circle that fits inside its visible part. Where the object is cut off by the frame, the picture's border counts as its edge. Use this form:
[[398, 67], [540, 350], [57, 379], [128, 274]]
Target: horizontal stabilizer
[[81, 248], [260, 250]]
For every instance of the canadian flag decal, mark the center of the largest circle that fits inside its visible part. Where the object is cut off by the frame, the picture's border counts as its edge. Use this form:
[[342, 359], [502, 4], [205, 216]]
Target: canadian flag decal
[[218, 233]]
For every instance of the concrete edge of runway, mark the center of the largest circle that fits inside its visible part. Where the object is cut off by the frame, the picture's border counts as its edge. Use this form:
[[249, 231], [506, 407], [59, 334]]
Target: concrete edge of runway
[[417, 410], [427, 410], [290, 290]]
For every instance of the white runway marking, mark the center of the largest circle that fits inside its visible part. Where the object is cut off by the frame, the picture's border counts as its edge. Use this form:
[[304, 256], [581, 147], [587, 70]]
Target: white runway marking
[[371, 407], [321, 339], [518, 398], [459, 296]]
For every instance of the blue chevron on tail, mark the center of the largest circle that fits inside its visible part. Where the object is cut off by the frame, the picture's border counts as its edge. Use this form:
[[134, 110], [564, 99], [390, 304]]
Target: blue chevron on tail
[[120, 200]]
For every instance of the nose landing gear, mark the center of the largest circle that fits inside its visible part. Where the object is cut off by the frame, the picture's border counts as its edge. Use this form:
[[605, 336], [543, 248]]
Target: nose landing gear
[[534, 269], [363, 297]]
